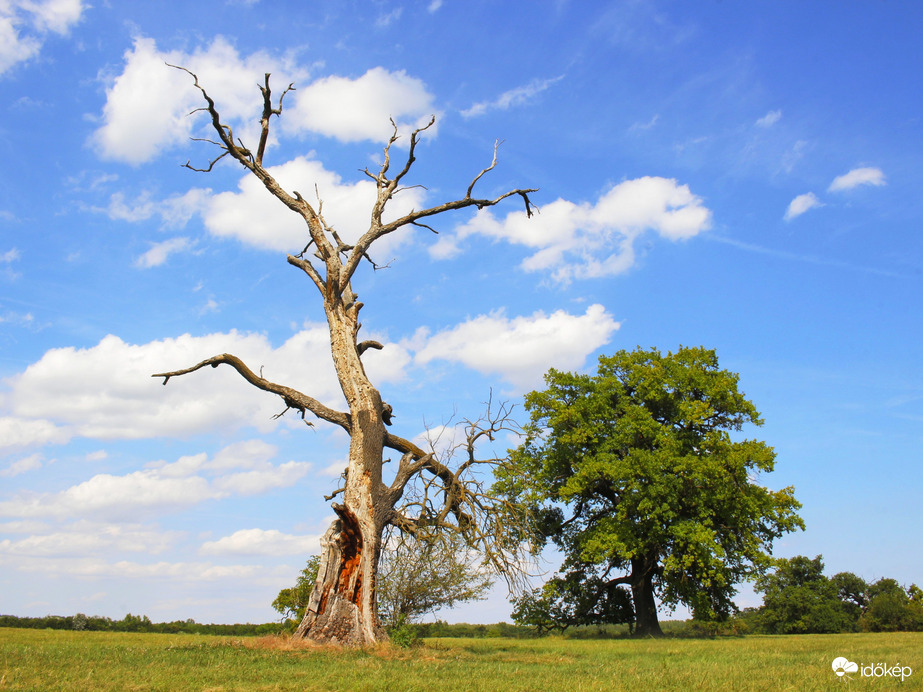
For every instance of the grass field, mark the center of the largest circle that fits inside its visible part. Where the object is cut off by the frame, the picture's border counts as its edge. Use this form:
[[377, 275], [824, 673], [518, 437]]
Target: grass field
[[63, 660]]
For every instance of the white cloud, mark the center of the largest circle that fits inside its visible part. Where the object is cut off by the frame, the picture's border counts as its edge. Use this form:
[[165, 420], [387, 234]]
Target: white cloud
[[260, 542], [110, 393], [174, 211], [352, 110], [255, 217], [147, 106], [174, 571], [53, 15], [188, 481], [10, 256], [801, 204], [159, 252], [25, 23], [16, 432], [591, 240], [770, 119], [857, 177], [260, 481], [84, 538], [113, 497], [520, 349], [248, 454], [434, 6], [513, 97]]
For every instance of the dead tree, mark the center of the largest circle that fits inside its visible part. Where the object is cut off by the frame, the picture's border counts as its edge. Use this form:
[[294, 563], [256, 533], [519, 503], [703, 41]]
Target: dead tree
[[343, 605]]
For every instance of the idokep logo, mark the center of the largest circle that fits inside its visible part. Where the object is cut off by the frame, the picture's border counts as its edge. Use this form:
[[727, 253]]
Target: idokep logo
[[842, 666]]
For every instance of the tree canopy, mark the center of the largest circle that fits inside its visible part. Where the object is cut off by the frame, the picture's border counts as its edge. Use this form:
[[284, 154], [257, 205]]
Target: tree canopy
[[634, 474]]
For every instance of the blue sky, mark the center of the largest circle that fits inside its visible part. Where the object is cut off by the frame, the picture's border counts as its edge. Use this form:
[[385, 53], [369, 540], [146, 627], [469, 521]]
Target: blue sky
[[743, 176]]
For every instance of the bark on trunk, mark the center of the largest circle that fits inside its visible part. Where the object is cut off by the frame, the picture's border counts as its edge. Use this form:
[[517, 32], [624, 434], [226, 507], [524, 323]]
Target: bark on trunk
[[343, 605], [642, 595]]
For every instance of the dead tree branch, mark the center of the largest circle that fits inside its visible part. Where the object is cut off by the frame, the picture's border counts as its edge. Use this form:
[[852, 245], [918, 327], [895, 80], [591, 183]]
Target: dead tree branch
[[292, 397], [441, 496]]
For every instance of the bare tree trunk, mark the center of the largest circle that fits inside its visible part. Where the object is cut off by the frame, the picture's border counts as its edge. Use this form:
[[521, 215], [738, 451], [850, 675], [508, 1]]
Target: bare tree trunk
[[343, 607]]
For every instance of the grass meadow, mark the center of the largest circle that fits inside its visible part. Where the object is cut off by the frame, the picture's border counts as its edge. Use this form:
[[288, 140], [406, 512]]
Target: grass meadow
[[67, 660]]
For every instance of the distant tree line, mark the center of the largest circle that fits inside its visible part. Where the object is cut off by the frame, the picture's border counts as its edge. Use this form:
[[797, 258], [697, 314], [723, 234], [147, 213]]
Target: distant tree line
[[135, 623], [799, 599]]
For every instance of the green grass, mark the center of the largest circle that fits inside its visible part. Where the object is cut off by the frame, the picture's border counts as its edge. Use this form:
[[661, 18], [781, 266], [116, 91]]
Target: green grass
[[62, 660]]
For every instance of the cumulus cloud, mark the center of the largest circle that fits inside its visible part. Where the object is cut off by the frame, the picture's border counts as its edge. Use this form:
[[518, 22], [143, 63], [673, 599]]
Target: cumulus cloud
[[261, 542], [857, 177], [17, 432], [184, 483], [801, 204], [520, 349], [110, 393], [353, 110], [513, 97], [24, 25], [159, 252], [258, 219], [83, 538], [147, 105], [95, 568], [578, 241]]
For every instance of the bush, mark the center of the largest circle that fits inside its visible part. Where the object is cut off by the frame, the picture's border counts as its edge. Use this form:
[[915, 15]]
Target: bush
[[403, 634]]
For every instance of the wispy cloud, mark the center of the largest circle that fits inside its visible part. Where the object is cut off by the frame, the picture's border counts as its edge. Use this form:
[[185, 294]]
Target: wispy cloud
[[801, 204], [645, 126], [808, 259], [770, 119], [386, 20], [29, 463], [513, 97], [857, 177], [159, 252]]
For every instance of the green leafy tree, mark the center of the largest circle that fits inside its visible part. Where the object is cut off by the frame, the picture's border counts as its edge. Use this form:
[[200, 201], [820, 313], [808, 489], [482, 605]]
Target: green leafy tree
[[291, 602], [420, 576], [415, 576], [891, 608], [573, 599], [799, 599], [633, 474]]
